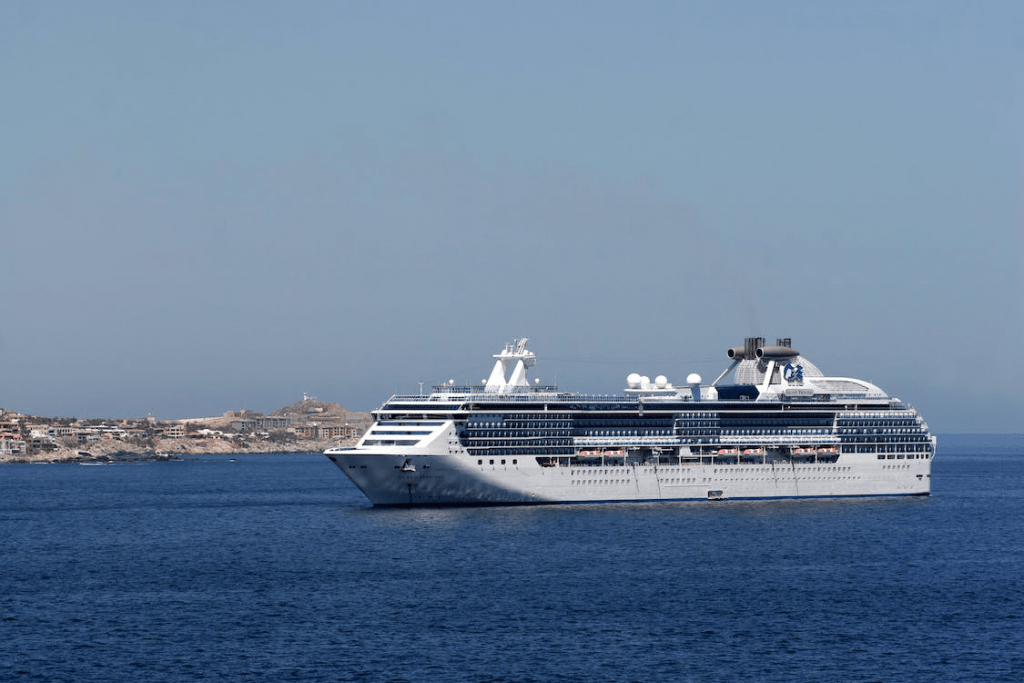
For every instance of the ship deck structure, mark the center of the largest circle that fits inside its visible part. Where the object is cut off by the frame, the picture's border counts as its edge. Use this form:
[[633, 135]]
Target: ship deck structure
[[772, 425]]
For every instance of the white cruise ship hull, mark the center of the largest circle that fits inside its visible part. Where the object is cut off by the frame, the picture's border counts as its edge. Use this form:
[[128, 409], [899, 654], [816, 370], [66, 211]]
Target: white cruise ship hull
[[401, 480]]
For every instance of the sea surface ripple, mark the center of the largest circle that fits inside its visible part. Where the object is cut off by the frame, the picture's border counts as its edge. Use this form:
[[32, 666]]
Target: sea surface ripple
[[274, 568]]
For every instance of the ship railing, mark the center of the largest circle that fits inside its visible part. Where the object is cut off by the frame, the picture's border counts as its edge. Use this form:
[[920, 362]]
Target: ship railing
[[548, 395], [779, 439], [873, 414], [478, 390], [623, 441]]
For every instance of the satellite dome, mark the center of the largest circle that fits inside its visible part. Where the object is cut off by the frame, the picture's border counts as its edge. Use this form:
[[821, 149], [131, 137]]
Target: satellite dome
[[633, 381], [693, 378], [661, 381]]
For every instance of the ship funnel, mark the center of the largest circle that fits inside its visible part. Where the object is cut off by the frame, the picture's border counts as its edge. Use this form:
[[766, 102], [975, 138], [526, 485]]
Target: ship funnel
[[749, 349], [776, 352]]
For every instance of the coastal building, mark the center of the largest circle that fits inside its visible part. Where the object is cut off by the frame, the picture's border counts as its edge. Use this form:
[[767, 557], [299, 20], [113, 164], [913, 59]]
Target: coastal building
[[89, 435], [262, 423], [40, 444], [171, 431], [318, 430], [11, 444]]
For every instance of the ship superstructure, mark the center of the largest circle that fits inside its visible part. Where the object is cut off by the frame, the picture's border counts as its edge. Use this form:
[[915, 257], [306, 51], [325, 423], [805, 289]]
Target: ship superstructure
[[772, 425]]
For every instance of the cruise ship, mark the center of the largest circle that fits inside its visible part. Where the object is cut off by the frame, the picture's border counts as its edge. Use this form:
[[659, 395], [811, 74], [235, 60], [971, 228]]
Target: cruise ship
[[772, 425]]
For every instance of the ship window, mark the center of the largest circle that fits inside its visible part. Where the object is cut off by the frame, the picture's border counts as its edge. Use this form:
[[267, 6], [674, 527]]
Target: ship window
[[515, 462], [492, 462], [479, 462], [502, 462]]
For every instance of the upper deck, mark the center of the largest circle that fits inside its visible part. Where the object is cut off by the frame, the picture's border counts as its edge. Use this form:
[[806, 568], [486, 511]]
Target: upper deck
[[760, 374], [467, 402], [779, 405]]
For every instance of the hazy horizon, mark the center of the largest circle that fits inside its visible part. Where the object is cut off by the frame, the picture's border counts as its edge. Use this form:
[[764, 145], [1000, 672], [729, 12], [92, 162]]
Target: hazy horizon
[[211, 207]]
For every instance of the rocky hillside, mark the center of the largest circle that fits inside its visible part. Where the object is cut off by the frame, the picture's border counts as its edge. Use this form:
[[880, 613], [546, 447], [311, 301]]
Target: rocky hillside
[[312, 408]]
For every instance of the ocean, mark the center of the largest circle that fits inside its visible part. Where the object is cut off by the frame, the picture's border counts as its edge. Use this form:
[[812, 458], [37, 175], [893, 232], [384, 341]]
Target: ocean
[[274, 568]]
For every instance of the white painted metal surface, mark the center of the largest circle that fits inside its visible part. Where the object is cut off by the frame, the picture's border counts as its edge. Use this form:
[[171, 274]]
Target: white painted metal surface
[[419, 450]]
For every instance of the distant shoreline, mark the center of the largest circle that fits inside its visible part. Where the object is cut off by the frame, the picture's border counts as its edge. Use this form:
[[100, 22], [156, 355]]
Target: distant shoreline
[[170, 449], [308, 426]]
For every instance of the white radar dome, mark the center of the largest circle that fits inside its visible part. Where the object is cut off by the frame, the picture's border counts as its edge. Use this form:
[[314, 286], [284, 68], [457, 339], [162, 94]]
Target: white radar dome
[[661, 381], [633, 381], [693, 378]]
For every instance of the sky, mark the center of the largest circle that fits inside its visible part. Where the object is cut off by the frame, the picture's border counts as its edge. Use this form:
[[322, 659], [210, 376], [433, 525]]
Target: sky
[[211, 206]]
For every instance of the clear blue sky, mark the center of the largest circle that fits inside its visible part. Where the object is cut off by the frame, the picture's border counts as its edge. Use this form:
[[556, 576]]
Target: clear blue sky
[[220, 205]]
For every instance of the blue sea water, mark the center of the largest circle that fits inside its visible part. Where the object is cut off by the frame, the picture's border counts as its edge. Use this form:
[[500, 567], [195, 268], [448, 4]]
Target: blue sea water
[[274, 568]]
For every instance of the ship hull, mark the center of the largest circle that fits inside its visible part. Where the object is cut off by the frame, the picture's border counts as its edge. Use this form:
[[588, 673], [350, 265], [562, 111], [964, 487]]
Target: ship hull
[[401, 480]]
